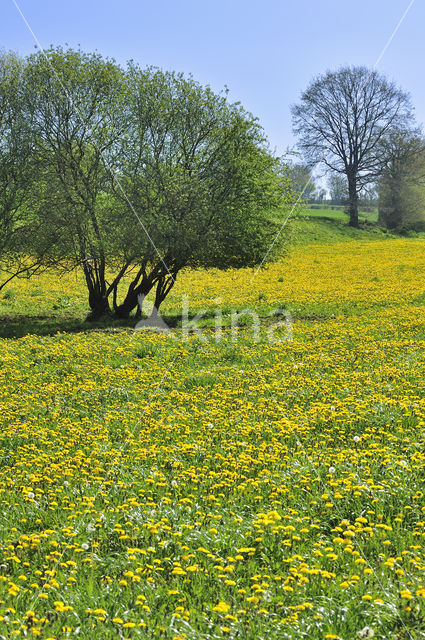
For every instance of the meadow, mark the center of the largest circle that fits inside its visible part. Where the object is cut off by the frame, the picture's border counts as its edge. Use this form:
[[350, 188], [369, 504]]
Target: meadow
[[154, 487]]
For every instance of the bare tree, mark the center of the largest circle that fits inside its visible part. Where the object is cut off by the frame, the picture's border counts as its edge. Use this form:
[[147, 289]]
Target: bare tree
[[341, 119]]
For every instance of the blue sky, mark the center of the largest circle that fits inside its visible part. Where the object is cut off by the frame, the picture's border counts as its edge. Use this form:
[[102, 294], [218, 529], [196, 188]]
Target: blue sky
[[265, 52]]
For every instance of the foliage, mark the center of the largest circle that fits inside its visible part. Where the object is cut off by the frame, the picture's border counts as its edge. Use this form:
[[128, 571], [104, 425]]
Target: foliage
[[17, 168], [77, 103], [402, 184], [197, 170], [302, 180]]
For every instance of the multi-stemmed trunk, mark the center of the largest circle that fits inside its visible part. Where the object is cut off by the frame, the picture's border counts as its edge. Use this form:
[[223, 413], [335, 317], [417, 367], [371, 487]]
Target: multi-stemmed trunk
[[131, 300], [163, 288], [94, 272], [136, 293], [142, 284]]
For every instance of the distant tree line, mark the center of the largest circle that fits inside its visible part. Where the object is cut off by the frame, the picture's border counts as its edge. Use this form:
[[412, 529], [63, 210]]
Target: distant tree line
[[130, 175]]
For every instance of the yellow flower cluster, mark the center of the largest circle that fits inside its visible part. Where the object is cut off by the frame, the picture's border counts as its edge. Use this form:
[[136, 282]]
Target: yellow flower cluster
[[157, 488]]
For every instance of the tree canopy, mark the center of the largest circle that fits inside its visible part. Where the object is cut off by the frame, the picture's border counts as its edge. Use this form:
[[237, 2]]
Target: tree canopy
[[402, 183], [17, 169]]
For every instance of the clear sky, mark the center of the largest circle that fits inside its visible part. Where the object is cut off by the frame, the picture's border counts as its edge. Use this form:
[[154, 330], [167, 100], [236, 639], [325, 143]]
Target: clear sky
[[265, 52]]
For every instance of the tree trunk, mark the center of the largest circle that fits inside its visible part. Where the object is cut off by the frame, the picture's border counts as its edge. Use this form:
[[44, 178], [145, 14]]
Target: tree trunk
[[96, 285], [131, 300], [353, 207], [391, 203], [163, 288], [394, 218], [99, 305], [382, 216], [395, 214]]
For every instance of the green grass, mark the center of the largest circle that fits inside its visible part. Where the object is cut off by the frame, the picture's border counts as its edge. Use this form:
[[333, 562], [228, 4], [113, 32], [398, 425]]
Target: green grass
[[326, 226], [33, 310], [160, 488], [209, 490], [338, 213]]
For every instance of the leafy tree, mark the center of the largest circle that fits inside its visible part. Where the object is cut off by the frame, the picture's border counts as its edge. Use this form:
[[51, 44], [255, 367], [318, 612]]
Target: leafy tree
[[77, 103], [402, 184], [198, 169], [143, 173], [17, 170], [341, 119]]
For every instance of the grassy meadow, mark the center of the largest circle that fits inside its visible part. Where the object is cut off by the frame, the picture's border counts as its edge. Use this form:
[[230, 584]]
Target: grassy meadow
[[154, 487]]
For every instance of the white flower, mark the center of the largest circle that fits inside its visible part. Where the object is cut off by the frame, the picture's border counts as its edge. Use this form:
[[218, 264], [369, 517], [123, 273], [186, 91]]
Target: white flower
[[331, 470], [31, 495], [366, 632], [85, 546], [356, 438], [174, 483]]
